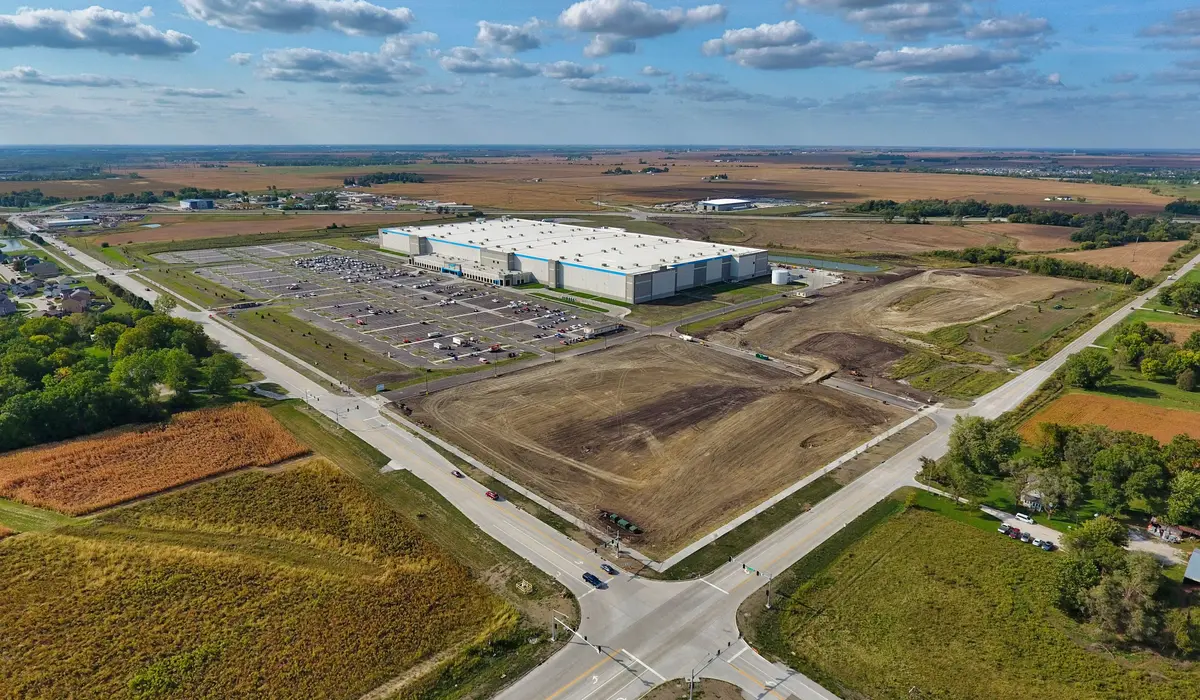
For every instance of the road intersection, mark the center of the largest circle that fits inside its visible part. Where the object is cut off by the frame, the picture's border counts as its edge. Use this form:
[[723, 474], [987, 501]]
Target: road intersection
[[634, 633]]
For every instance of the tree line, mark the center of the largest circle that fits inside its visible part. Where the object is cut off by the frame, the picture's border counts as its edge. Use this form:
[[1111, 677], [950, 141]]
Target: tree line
[[1183, 207], [62, 378], [380, 179], [1113, 471], [1111, 227], [1044, 265]]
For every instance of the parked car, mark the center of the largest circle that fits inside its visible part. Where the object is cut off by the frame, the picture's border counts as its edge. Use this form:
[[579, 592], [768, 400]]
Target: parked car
[[457, 474], [1014, 533], [592, 579], [1047, 546], [1026, 537], [1024, 518], [609, 569], [1004, 528], [492, 495]]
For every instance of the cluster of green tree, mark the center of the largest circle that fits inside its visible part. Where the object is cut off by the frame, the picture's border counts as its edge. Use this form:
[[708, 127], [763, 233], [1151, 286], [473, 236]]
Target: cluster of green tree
[[124, 294], [1183, 296], [916, 211], [146, 197], [196, 193], [1126, 177], [380, 179], [722, 176], [454, 161], [81, 173], [1183, 207], [1043, 265], [652, 169], [61, 378], [1097, 580], [24, 199], [878, 160], [1114, 227], [617, 170], [1118, 591], [1154, 353], [37, 239]]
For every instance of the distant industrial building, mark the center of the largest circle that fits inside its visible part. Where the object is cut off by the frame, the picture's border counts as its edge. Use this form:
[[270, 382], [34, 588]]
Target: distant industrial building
[[196, 204], [448, 208], [69, 223], [608, 262], [725, 204]]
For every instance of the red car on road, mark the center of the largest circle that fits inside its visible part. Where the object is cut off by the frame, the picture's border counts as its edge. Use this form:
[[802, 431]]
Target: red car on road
[[493, 495]]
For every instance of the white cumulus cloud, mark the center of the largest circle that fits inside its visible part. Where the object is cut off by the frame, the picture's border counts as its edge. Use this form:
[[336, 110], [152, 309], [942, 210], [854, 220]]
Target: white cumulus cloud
[[352, 17], [93, 28]]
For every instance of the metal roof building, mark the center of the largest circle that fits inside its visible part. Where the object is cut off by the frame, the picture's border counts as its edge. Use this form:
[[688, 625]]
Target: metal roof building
[[725, 204], [1192, 573], [608, 262]]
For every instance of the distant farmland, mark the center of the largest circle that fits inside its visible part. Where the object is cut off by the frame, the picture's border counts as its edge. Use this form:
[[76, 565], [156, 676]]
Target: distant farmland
[[180, 227], [525, 184]]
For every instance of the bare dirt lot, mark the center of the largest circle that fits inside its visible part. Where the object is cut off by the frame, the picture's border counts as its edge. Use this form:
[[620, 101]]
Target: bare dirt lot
[[1034, 238], [546, 185], [861, 325], [184, 227], [1145, 259], [676, 437], [819, 236]]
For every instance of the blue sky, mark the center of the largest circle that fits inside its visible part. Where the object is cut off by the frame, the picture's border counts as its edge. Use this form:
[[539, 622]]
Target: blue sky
[[996, 73]]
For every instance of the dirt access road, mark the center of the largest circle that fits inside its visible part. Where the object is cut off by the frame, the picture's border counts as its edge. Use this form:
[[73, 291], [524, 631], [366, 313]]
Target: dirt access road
[[674, 436]]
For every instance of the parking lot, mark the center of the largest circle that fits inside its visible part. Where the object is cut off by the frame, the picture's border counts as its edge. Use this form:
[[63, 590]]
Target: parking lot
[[418, 318]]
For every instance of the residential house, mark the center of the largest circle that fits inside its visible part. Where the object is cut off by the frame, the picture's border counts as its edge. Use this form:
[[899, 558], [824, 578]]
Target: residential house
[[7, 307], [43, 269], [26, 288], [77, 301]]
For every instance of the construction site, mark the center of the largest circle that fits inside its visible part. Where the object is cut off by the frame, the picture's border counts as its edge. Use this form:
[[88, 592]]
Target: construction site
[[675, 437]]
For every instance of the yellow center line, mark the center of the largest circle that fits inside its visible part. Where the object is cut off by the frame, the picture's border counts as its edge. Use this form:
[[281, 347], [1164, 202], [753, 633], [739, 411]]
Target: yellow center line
[[757, 682], [607, 657]]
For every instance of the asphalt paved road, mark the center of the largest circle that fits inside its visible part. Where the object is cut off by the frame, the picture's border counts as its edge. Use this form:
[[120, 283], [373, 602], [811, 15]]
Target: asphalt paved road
[[639, 632]]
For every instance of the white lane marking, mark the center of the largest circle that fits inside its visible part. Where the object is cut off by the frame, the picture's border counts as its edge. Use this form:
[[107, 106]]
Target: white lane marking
[[636, 678], [600, 686], [715, 586], [630, 654], [743, 651]]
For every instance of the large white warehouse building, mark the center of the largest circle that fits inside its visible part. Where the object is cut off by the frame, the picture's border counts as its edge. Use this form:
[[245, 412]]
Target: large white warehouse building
[[608, 262]]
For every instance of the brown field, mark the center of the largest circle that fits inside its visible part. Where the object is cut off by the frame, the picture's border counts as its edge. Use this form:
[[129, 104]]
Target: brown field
[[1179, 331], [1145, 259], [674, 436], [1034, 238], [574, 186], [1118, 414], [84, 475], [817, 236], [182, 227]]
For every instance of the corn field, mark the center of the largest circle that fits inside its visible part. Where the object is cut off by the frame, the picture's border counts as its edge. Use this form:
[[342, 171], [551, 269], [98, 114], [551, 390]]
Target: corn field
[[84, 475]]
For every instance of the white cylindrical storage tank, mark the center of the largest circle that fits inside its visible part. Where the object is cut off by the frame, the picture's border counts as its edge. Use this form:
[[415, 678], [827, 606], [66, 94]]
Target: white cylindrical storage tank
[[781, 277]]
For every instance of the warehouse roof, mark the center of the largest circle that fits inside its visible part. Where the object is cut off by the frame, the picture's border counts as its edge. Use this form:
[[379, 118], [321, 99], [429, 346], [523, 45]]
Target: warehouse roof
[[719, 202], [611, 249]]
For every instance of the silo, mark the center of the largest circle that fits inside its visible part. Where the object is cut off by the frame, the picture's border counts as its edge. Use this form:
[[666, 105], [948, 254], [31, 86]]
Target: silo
[[781, 277]]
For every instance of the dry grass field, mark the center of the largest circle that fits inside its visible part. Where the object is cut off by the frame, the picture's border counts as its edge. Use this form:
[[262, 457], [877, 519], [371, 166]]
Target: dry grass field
[[1145, 259], [81, 476], [819, 236], [296, 583], [674, 436], [510, 184], [1034, 238], [1179, 331], [183, 227], [1118, 414]]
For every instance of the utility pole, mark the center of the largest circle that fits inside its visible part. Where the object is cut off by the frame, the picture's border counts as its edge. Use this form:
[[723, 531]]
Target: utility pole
[[768, 591], [338, 412]]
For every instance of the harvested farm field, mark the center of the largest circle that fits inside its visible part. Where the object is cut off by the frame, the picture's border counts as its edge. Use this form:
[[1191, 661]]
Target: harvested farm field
[[1118, 414], [1145, 259], [1034, 238], [294, 583], [676, 437], [84, 475], [183, 227], [553, 185], [819, 236]]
